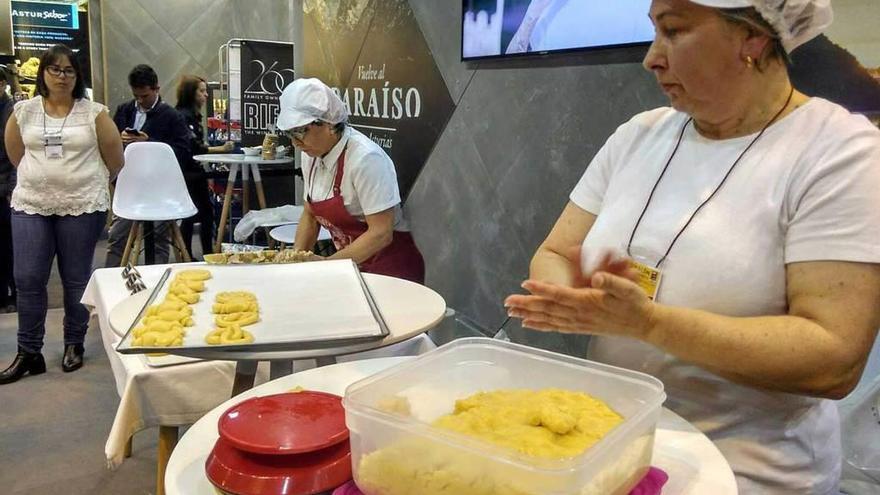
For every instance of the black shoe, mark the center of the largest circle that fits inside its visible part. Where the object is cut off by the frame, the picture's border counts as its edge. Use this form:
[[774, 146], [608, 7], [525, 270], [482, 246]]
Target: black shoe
[[73, 357], [25, 362]]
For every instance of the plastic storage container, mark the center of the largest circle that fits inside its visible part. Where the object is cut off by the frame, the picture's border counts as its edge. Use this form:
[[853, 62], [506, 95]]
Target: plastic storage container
[[396, 453]]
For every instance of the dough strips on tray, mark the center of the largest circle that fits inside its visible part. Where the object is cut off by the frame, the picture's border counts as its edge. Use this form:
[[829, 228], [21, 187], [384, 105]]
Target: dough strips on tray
[[233, 310], [164, 323]]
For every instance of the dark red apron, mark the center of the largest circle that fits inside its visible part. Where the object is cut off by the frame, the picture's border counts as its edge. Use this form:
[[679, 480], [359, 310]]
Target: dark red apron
[[400, 259]]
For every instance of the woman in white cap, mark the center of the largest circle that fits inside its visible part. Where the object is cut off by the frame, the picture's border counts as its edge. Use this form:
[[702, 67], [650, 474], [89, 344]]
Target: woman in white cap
[[350, 185], [749, 211]]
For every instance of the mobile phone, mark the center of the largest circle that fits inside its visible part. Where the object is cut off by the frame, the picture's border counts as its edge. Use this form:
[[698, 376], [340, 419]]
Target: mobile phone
[[129, 130]]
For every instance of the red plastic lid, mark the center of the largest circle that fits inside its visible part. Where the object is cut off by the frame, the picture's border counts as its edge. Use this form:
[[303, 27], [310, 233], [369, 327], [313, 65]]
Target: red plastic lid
[[283, 424], [244, 473]]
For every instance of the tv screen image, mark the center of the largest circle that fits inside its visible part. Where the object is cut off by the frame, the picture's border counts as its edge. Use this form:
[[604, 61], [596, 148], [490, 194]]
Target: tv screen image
[[496, 28]]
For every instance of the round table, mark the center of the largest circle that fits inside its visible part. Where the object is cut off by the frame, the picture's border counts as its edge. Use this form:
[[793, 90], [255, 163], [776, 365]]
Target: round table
[[248, 165], [286, 234], [694, 464], [409, 309]]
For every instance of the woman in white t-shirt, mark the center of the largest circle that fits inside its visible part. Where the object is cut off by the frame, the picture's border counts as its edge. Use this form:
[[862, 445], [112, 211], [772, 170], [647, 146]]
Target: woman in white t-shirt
[[755, 210], [66, 149]]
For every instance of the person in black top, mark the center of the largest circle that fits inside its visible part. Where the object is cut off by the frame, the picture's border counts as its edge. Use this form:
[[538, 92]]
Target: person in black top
[[192, 94], [147, 118], [7, 184]]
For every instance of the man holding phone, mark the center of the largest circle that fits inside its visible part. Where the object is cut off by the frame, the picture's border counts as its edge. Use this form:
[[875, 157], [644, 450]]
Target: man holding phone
[[146, 118]]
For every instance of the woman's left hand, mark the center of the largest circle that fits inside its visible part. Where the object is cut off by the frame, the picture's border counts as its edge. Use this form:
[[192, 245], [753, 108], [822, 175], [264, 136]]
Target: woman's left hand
[[612, 305]]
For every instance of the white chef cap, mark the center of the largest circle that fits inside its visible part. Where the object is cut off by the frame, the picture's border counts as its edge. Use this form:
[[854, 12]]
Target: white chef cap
[[306, 100], [796, 21]]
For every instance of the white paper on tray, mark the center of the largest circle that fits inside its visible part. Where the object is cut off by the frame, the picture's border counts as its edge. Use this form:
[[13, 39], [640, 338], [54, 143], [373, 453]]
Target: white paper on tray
[[300, 302]]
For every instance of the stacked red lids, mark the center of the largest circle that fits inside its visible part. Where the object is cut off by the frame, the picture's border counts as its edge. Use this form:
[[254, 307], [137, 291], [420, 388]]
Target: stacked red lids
[[286, 444]]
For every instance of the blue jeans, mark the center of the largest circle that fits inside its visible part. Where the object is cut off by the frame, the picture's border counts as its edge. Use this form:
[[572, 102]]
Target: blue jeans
[[36, 239], [7, 285]]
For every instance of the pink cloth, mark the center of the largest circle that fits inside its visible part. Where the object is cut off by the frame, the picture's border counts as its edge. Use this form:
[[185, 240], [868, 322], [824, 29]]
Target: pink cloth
[[651, 484]]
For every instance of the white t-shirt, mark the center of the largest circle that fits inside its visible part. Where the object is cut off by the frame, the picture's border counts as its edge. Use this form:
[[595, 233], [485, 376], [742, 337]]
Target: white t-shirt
[[369, 181], [808, 190], [75, 184]]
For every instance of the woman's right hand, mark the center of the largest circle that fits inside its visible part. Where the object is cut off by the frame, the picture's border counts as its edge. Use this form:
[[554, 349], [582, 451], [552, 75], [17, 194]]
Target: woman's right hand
[[586, 264], [228, 146]]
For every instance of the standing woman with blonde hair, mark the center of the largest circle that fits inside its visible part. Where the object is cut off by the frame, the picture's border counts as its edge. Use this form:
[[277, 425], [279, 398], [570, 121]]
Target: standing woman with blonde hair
[[66, 149]]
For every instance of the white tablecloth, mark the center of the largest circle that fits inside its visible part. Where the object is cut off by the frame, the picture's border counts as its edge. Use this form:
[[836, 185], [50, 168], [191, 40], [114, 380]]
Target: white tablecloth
[[173, 395]]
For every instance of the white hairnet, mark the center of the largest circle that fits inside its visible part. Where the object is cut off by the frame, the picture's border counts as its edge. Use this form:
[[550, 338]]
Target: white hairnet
[[796, 21], [306, 100]]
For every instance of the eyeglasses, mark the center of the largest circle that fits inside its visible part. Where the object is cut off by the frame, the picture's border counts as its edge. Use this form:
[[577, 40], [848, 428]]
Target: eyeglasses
[[299, 133], [57, 71]]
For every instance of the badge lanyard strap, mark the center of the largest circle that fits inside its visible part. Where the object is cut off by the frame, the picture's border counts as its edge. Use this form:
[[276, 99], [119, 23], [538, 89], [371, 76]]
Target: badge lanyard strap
[[63, 123], [718, 188]]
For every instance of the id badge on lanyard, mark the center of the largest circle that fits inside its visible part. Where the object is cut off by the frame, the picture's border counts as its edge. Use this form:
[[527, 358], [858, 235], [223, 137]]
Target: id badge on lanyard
[[52, 143], [649, 276]]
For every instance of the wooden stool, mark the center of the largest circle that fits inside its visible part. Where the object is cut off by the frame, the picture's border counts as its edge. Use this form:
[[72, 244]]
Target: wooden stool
[[136, 238]]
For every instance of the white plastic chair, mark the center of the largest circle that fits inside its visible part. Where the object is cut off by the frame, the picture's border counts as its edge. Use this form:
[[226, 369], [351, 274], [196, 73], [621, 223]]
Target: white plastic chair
[[150, 188]]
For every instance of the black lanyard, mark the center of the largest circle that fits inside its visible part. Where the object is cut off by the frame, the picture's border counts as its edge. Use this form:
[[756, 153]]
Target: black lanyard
[[694, 214], [63, 123]]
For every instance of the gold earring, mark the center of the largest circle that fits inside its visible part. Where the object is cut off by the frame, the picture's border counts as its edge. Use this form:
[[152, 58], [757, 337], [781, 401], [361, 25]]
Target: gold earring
[[749, 61]]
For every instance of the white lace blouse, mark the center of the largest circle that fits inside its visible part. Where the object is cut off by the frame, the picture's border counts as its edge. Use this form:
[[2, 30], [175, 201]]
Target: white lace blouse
[[74, 184]]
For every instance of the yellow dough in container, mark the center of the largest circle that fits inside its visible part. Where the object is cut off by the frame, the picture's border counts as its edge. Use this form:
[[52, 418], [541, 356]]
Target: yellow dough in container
[[240, 319], [229, 335], [544, 424]]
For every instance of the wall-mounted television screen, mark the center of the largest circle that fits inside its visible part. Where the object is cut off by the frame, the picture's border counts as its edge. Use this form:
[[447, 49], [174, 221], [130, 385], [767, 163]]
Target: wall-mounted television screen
[[498, 28]]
